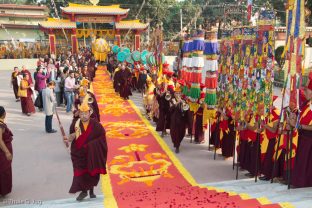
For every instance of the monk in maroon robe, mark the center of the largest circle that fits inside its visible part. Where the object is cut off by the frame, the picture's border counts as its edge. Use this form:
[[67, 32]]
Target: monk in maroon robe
[[228, 140], [6, 153], [25, 93], [25, 71], [303, 164], [253, 151], [244, 145], [88, 153], [14, 83], [125, 80], [117, 73], [91, 68], [270, 132], [199, 133], [178, 122], [163, 121]]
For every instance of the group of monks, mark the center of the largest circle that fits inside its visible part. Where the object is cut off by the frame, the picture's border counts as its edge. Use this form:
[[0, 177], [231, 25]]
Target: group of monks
[[173, 111], [265, 147]]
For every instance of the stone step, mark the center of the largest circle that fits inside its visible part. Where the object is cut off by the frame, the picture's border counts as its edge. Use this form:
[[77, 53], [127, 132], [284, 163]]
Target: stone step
[[275, 192]]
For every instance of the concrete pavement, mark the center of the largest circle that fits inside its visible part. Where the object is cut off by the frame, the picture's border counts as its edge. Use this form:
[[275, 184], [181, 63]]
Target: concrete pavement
[[42, 168]]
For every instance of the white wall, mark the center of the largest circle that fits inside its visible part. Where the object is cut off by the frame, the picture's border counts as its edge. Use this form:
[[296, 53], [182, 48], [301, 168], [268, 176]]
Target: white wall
[[170, 60], [308, 57], [9, 64], [20, 33]]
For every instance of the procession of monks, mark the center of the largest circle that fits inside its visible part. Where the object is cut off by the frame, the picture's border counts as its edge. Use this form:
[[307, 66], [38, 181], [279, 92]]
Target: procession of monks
[[271, 150]]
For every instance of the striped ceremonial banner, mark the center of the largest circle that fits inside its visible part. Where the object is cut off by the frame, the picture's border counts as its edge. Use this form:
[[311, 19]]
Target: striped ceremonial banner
[[249, 9]]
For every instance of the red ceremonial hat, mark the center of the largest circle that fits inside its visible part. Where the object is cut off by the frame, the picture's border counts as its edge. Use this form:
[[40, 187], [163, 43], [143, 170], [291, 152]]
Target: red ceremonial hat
[[169, 73], [275, 97], [165, 65], [202, 95], [202, 86], [165, 72], [181, 82], [170, 88]]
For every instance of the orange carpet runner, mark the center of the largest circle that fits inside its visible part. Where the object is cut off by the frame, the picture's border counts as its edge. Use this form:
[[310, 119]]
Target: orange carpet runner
[[142, 170]]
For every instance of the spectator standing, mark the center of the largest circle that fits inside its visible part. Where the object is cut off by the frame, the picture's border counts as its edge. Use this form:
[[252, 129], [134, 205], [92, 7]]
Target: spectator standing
[[70, 86], [48, 99]]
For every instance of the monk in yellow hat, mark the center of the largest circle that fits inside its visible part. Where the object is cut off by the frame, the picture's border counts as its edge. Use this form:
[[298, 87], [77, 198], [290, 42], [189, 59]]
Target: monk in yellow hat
[[83, 91], [88, 152], [178, 118], [148, 97]]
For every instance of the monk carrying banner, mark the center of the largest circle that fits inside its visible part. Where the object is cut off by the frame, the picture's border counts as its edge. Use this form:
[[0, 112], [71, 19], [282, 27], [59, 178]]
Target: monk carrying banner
[[88, 152]]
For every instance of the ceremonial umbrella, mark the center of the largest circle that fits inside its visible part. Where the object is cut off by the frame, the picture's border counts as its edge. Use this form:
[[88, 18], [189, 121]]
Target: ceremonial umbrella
[[116, 49], [136, 56], [121, 56]]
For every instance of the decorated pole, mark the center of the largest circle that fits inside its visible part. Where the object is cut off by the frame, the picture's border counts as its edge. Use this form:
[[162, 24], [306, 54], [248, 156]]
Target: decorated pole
[[249, 10], [209, 74], [197, 65], [184, 71], [294, 56]]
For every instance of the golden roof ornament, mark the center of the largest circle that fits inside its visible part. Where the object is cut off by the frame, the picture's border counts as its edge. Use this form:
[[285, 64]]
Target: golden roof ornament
[[94, 2]]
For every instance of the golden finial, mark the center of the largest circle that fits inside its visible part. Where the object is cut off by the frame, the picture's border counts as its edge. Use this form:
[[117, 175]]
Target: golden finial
[[84, 107]]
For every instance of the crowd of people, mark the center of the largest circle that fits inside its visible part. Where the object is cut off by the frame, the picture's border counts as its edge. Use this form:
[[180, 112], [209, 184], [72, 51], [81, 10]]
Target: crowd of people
[[62, 82]]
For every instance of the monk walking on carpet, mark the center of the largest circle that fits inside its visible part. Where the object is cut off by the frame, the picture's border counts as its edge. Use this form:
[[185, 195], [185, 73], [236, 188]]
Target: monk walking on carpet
[[88, 152], [6, 152]]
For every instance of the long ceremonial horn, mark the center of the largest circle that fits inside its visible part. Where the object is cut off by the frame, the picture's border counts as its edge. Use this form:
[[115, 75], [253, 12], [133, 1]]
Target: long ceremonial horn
[[61, 127]]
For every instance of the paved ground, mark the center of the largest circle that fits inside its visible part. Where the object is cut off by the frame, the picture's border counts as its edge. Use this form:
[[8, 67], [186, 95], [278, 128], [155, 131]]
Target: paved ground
[[42, 169]]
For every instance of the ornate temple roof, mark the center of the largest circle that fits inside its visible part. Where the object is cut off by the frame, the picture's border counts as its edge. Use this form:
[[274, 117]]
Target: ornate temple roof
[[23, 7], [97, 10], [53, 23], [131, 24]]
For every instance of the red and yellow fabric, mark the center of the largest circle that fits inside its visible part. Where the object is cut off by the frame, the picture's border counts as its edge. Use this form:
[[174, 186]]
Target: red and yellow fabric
[[267, 135], [306, 114], [52, 42], [209, 115]]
